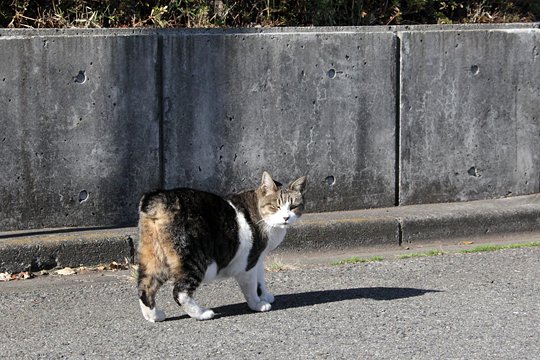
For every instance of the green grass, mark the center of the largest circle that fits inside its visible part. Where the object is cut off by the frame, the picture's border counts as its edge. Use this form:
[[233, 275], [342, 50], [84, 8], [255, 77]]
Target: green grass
[[275, 266], [481, 248], [424, 254], [357, 260], [484, 248]]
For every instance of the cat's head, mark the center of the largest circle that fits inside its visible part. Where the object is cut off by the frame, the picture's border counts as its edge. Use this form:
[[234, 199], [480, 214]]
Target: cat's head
[[280, 207]]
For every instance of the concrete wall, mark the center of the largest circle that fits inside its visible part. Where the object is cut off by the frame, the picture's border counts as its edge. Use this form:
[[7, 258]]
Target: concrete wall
[[292, 104], [375, 117], [79, 129], [470, 115]]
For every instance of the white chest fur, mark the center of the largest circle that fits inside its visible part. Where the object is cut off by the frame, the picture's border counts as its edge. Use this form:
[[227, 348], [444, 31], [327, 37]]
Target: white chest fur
[[239, 262], [275, 237]]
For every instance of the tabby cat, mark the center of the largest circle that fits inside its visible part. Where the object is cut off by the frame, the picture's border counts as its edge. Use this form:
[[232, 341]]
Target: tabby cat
[[192, 236]]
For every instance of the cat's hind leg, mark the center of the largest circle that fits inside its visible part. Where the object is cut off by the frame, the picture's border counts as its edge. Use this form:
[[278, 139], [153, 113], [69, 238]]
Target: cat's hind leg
[[249, 285], [183, 295], [148, 286]]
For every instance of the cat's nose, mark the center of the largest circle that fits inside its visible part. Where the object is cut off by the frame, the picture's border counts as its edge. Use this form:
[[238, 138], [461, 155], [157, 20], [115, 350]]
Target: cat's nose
[[286, 218]]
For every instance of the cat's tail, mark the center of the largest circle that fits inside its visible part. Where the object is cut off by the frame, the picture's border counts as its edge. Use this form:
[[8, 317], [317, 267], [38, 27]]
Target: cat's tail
[[158, 205]]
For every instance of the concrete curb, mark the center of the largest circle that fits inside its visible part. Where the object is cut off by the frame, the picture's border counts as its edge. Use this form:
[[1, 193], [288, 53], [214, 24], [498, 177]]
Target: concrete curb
[[58, 248], [20, 251], [412, 224]]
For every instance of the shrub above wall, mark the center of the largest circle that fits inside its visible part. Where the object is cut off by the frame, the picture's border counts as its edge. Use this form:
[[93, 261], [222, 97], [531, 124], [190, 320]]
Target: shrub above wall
[[226, 13]]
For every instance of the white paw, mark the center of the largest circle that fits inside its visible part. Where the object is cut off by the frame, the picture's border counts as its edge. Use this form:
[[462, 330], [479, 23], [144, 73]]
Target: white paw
[[269, 298], [206, 314], [261, 306], [154, 316]]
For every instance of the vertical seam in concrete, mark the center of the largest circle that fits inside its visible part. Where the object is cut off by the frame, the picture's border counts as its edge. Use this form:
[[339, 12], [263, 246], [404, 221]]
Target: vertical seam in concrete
[[161, 82], [131, 245], [398, 119], [400, 232]]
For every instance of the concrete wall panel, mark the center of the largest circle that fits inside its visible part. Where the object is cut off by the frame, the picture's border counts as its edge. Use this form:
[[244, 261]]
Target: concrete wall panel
[[470, 115], [320, 104], [91, 119], [79, 129]]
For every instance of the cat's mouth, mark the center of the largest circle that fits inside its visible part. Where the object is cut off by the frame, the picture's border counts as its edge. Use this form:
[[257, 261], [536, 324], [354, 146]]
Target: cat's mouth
[[282, 224]]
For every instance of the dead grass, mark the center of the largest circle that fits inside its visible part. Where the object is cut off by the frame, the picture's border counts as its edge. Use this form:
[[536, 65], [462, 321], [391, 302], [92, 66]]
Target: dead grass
[[251, 13]]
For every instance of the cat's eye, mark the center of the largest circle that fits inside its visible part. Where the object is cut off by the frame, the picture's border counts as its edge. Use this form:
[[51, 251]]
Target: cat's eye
[[292, 207]]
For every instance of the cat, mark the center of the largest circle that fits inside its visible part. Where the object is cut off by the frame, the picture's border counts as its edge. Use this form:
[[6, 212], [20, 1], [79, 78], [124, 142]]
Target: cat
[[192, 236]]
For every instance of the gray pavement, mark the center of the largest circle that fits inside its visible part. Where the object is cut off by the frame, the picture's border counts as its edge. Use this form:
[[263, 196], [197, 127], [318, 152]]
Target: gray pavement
[[457, 306]]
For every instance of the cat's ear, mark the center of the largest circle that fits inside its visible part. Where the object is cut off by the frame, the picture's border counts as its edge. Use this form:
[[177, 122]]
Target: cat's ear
[[268, 185], [299, 184]]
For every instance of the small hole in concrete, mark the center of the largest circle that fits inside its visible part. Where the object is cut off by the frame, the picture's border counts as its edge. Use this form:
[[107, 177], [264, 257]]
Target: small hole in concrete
[[475, 70], [331, 73], [330, 180], [80, 78], [83, 196], [473, 172]]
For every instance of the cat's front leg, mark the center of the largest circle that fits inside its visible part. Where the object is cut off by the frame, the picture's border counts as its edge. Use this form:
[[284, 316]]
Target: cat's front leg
[[248, 283], [262, 290]]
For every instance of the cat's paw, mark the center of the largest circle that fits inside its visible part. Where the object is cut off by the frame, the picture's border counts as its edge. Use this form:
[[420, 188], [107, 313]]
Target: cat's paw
[[261, 306], [154, 316], [206, 314], [269, 298], [160, 316]]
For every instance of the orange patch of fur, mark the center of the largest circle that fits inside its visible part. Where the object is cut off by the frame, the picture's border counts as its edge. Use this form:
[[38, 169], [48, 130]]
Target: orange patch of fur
[[156, 249]]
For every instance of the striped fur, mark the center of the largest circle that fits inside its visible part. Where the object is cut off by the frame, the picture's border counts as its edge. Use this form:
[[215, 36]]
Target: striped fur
[[190, 236]]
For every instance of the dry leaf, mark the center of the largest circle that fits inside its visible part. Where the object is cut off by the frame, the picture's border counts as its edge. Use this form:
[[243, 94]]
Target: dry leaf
[[116, 266], [16, 276], [5, 276], [66, 271], [23, 275]]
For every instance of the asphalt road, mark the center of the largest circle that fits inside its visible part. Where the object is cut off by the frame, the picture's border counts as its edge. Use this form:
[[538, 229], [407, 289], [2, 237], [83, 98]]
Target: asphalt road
[[474, 306]]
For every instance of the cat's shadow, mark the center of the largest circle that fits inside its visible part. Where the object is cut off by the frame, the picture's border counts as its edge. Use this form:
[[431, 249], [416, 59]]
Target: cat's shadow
[[296, 300]]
